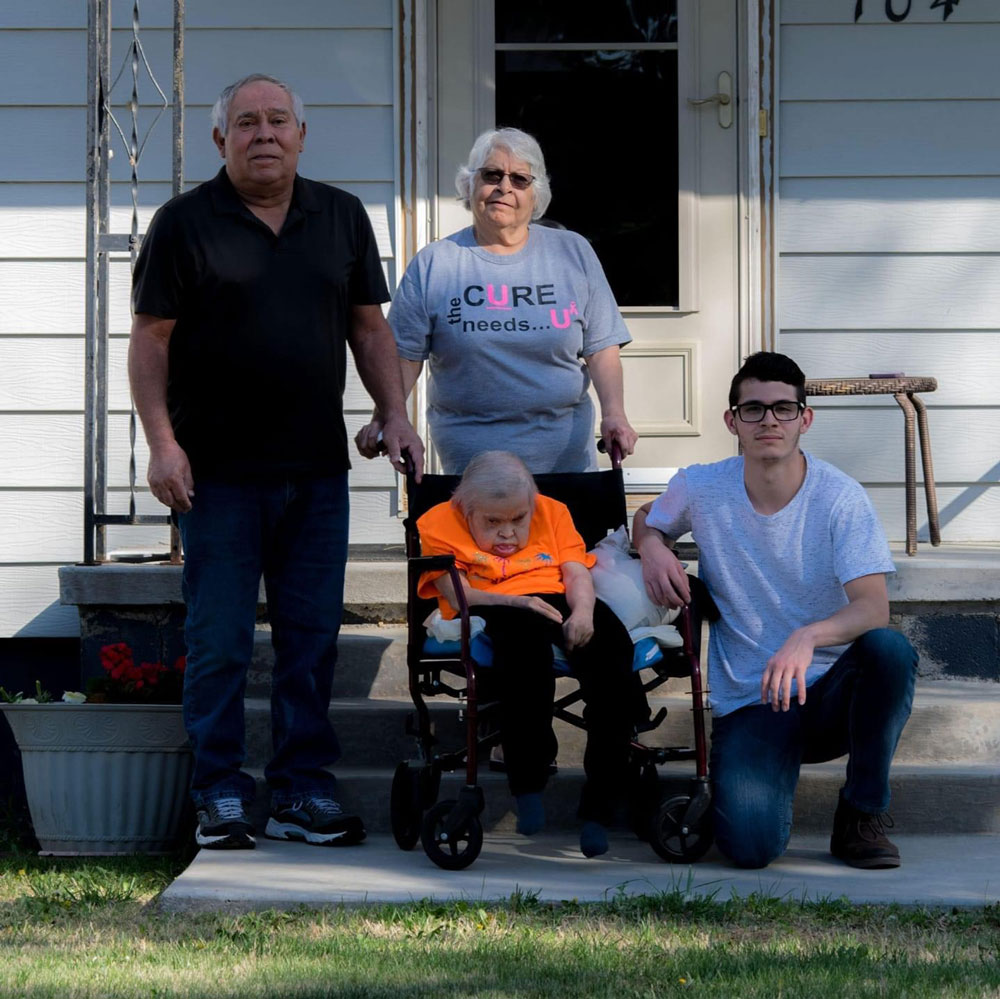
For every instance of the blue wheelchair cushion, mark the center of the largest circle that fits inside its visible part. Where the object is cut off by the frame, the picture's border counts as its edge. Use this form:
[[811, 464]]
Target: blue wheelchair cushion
[[646, 652]]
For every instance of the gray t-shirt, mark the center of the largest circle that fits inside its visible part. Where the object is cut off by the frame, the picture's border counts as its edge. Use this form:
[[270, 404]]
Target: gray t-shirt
[[770, 574], [504, 336]]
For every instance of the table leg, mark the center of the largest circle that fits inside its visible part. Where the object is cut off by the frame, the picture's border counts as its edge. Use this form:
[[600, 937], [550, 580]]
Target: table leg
[[911, 470], [930, 491]]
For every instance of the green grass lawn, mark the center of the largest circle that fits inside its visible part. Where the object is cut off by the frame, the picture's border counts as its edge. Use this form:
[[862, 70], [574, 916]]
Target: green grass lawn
[[75, 928]]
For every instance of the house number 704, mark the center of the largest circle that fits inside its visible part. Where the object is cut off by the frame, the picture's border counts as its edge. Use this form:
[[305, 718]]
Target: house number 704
[[947, 6]]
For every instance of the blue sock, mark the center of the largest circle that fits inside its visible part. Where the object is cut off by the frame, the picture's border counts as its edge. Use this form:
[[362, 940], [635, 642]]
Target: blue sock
[[593, 839], [530, 813]]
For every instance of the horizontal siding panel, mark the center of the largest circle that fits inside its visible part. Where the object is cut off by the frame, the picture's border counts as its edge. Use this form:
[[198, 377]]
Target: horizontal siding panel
[[854, 62], [889, 138], [890, 215], [873, 12], [31, 226], [206, 14], [965, 364], [968, 514], [876, 292], [869, 443], [347, 143], [29, 604]]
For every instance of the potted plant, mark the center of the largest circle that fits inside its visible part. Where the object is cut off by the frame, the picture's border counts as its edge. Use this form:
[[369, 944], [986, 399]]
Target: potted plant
[[106, 772]]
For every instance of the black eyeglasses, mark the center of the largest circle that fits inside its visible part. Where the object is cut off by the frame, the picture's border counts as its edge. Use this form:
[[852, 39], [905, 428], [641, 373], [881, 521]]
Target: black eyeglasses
[[753, 412], [520, 181]]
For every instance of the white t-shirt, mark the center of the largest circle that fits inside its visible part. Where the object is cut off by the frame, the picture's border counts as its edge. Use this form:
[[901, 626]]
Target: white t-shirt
[[770, 574]]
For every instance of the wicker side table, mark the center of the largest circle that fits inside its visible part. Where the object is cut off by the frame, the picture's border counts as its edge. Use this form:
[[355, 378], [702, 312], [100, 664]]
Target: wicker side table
[[904, 390]]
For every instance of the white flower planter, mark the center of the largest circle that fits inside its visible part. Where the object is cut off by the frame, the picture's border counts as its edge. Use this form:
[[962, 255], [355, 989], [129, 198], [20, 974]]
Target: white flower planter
[[103, 779]]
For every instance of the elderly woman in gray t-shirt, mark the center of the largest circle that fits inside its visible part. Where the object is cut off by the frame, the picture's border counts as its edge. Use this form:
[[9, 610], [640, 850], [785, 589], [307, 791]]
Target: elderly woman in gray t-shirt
[[516, 319]]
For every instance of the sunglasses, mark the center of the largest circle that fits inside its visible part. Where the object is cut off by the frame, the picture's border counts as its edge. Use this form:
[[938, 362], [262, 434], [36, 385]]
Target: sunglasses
[[519, 181]]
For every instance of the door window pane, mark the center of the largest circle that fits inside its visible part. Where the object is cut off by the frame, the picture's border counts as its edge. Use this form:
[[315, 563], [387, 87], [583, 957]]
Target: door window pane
[[609, 21], [607, 124]]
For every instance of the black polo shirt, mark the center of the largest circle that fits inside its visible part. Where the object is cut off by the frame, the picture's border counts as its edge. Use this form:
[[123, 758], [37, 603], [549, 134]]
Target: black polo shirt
[[257, 356]]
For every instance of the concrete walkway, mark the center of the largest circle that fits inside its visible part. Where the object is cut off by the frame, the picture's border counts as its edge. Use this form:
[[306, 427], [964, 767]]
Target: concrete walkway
[[937, 871]]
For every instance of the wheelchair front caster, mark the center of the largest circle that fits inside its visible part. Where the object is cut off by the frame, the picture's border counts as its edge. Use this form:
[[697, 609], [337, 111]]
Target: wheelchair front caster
[[405, 811], [674, 840], [451, 848]]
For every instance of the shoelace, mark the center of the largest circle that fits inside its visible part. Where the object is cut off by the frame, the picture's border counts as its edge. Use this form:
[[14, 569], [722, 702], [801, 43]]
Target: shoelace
[[228, 809], [319, 805], [872, 827]]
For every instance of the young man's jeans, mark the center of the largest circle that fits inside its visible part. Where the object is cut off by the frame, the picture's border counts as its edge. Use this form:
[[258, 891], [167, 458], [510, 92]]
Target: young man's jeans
[[858, 707], [293, 531]]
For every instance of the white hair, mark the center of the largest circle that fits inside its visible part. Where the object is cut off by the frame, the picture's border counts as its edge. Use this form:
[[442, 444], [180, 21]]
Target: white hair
[[493, 476], [521, 146], [220, 110]]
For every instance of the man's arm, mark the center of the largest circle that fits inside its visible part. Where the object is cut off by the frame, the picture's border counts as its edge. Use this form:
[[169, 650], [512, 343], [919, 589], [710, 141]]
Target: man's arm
[[666, 581], [374, 350], [605, 368], [868, 608], [366, 439], [169, 472]]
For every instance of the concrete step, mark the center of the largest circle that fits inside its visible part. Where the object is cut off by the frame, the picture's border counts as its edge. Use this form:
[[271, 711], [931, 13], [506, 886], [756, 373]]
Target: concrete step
[[926, 799], [952, 722]]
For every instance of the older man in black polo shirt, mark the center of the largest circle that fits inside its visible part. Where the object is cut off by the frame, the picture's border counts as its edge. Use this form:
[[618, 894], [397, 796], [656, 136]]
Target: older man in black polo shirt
[[245, 293]]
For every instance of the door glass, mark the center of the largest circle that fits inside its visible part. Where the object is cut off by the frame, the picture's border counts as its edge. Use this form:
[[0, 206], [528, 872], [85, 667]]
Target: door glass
[[597, 86]]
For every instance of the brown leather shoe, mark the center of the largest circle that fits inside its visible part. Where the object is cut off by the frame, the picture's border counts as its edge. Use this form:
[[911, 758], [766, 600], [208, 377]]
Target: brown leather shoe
[[859, 838]]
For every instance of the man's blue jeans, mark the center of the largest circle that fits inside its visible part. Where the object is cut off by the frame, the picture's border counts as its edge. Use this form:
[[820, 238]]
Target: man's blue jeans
[[858, 707], [293, 531]]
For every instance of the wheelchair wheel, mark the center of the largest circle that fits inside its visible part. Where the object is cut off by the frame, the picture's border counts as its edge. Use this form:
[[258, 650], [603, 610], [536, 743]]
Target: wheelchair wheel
[[453, 853], [644, 798], [672, 839], [405, 809]]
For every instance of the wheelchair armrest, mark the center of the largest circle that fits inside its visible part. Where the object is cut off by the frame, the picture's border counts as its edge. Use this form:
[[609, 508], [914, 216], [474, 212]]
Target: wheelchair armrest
[[431, 563]]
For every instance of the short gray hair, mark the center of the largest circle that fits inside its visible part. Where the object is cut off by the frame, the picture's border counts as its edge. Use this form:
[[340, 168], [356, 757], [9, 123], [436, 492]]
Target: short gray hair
[[220, 110], [521, 146], [493, 476]]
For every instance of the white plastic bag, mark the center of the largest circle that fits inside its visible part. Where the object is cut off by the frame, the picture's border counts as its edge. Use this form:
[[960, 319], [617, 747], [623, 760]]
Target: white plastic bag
[[618, 582]]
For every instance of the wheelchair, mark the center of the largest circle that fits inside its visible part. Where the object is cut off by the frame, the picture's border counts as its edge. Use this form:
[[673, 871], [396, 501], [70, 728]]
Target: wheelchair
[[676, 822]]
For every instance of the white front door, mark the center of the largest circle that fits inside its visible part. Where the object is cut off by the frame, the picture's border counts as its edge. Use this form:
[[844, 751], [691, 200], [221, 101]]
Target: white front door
[[649, 176]]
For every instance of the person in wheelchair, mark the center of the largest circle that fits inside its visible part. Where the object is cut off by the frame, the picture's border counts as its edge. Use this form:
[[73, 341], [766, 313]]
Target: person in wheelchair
[[525, 571]]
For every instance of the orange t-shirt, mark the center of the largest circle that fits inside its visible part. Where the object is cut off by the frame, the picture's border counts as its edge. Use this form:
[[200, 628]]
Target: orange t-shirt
[[535, 568]]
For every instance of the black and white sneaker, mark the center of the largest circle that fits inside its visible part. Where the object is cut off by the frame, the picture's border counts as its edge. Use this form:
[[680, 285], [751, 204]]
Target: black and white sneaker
[[316, 820], [223, 824]]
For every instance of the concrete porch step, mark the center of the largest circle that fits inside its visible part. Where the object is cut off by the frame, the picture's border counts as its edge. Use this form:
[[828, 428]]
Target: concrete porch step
[[926, 799], [951, 722]]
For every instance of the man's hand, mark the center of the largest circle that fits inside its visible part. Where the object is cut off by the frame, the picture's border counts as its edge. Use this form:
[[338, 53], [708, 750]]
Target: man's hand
[[169, 476], [666, 581], [789, 663], [367, 439], [578, 629], [398, 435]]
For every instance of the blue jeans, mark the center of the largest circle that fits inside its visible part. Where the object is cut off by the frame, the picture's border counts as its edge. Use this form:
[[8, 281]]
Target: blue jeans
[[858, 707], [293, 531]]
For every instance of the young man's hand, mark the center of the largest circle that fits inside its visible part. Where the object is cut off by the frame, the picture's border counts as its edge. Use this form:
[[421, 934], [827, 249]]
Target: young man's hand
[[578, 629], [789, 663]]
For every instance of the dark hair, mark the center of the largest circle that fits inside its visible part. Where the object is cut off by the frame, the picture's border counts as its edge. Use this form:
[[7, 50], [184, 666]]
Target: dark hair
[[766, 366]]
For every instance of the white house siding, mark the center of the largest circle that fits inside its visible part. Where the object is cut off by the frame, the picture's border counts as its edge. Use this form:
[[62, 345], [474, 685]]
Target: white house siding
[[340, 55], [889, 238]]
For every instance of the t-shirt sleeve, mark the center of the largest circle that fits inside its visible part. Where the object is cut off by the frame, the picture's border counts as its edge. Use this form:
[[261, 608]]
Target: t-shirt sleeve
[[437, 531], [367, 283], [604, 326], [157, 284], [409, 317], [670, 512], [859, 543], [569, 545]]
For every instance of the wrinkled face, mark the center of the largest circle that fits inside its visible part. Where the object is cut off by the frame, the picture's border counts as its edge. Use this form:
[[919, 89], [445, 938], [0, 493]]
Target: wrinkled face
[[771, 439], [263, 140], [501, 205], [501, 527]]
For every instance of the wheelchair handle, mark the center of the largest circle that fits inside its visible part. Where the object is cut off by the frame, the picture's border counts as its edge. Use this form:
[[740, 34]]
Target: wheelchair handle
[[616, 452]]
